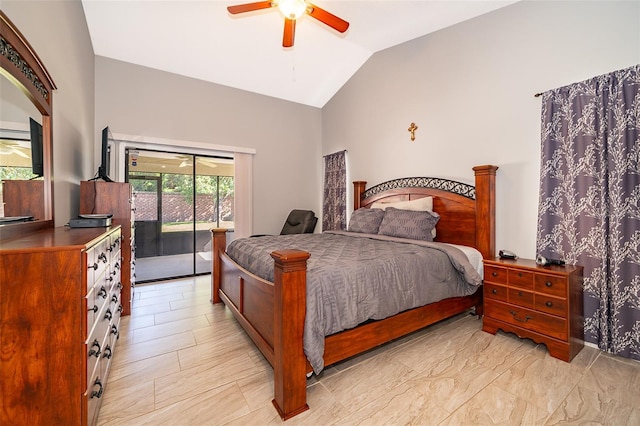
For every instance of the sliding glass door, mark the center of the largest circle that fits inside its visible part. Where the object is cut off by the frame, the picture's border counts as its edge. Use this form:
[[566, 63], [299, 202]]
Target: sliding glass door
[[179, 199]]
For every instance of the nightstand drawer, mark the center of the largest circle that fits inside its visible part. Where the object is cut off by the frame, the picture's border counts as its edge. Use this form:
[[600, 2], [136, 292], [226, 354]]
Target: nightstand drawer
[[551, 305], [521, 278], [495, 275], [521, 297], [494, 291], [550, 284], [526, 318]]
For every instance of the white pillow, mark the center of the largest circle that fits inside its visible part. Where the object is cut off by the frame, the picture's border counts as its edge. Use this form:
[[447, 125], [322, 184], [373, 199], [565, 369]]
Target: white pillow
[[421, 204]]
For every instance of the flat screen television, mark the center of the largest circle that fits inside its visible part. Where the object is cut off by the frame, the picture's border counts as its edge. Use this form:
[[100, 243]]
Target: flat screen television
[[37, 157], [105, 156]]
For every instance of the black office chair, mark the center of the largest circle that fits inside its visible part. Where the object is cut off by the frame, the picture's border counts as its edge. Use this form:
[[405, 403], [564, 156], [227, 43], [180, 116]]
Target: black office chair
[[299, 222]]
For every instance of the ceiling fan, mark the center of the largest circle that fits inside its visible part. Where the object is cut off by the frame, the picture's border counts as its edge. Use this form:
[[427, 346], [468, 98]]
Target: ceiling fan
[[292, 10]]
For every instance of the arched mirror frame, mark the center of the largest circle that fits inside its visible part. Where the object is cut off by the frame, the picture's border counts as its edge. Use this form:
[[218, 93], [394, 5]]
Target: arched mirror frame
[[22, 66]]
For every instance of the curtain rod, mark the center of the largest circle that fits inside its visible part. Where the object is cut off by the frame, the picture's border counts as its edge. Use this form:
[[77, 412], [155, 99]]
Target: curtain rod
[[333, 153]]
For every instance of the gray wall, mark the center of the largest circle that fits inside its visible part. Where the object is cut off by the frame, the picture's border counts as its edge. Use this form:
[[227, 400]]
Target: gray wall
[[58, 32], [470, 89], [140, 101]]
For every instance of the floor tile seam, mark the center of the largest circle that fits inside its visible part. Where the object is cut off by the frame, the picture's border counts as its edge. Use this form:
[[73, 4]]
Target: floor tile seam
[[172, 308], [486, 385], [180, 318], [380, 401], [136, 328], [167, 335], [527, 400], [163, 353], [158, 405], [355, 364], [337, 401], [561, 404]]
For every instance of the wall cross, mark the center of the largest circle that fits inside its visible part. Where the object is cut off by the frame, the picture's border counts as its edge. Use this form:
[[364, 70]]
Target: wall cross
[[412, 129]]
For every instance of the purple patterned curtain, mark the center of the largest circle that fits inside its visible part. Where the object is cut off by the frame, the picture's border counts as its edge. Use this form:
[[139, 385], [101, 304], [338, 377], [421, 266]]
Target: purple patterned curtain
[[334, 206], [589, 212]]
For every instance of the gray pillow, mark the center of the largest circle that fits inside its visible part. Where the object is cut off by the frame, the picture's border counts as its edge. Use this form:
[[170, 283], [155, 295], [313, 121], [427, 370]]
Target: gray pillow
[[415, 225], [366, 221]]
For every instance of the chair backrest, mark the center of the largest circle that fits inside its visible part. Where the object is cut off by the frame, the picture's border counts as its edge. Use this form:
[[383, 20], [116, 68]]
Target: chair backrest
[[299, 222]]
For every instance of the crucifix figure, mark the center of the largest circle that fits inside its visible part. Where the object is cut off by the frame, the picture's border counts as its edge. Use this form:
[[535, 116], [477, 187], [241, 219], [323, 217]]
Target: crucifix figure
[[412, 129]]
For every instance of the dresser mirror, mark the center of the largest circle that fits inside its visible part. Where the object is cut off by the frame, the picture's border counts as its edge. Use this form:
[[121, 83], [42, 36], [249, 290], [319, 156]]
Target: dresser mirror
[[25, 135]]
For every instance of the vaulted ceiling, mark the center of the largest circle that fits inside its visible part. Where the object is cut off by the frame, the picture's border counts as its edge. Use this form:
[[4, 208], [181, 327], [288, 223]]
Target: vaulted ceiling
[[200, 39]]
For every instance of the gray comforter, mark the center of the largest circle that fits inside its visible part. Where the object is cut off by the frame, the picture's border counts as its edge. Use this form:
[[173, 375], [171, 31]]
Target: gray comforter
[[352, 278]]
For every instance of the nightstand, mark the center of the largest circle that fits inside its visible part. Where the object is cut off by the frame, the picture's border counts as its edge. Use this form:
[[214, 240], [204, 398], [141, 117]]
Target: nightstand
[[542, 303]]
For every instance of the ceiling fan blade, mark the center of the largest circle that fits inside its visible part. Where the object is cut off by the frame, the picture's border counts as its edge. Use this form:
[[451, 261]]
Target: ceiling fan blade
[[328, 18], [289, 32], [249, 7]]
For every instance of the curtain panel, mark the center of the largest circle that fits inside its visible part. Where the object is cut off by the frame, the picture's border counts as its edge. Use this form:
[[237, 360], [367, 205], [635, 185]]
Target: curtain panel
[[243, 197], [334, 205], [589, 209]]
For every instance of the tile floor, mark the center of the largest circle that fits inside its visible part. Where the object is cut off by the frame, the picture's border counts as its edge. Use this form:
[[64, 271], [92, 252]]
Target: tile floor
[[182, 361]]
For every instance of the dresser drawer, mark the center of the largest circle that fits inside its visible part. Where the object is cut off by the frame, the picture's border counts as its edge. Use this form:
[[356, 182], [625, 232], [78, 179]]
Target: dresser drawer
[[521, 297], [495, 274], [526, 318], [494, 291], [551, 284], [551, 305], [520, 278]]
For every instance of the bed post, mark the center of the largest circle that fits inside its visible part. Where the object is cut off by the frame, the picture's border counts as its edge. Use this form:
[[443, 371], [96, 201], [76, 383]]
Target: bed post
[[358, 190], [219, 245], [486, 210], [290, 362]]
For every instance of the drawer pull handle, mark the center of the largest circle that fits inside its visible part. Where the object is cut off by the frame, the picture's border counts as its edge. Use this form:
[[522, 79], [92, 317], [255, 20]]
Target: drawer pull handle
[[519, 294], [114, 298], [114, 330], [527, 318], [494, 291], [107, 352], [94, 309], [549, 304], [102, 257], [548, 284], [94, 266], [94, 352], [103, 292], [97, 394], [520, 274], [108, 315], [494, 274]]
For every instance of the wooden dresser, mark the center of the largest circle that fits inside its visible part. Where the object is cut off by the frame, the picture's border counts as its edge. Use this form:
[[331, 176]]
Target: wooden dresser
[[116, 198], [542, 303], [60, 305]]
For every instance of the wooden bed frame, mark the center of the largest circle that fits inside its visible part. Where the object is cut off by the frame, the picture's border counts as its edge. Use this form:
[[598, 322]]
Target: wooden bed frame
[[272, 313]]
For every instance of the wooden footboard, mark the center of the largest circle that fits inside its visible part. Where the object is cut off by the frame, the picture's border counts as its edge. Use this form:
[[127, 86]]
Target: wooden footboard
[[273, 313]]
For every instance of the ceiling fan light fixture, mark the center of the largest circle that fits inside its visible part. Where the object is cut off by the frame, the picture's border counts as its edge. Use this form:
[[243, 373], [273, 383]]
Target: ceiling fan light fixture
[[292, 9]]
